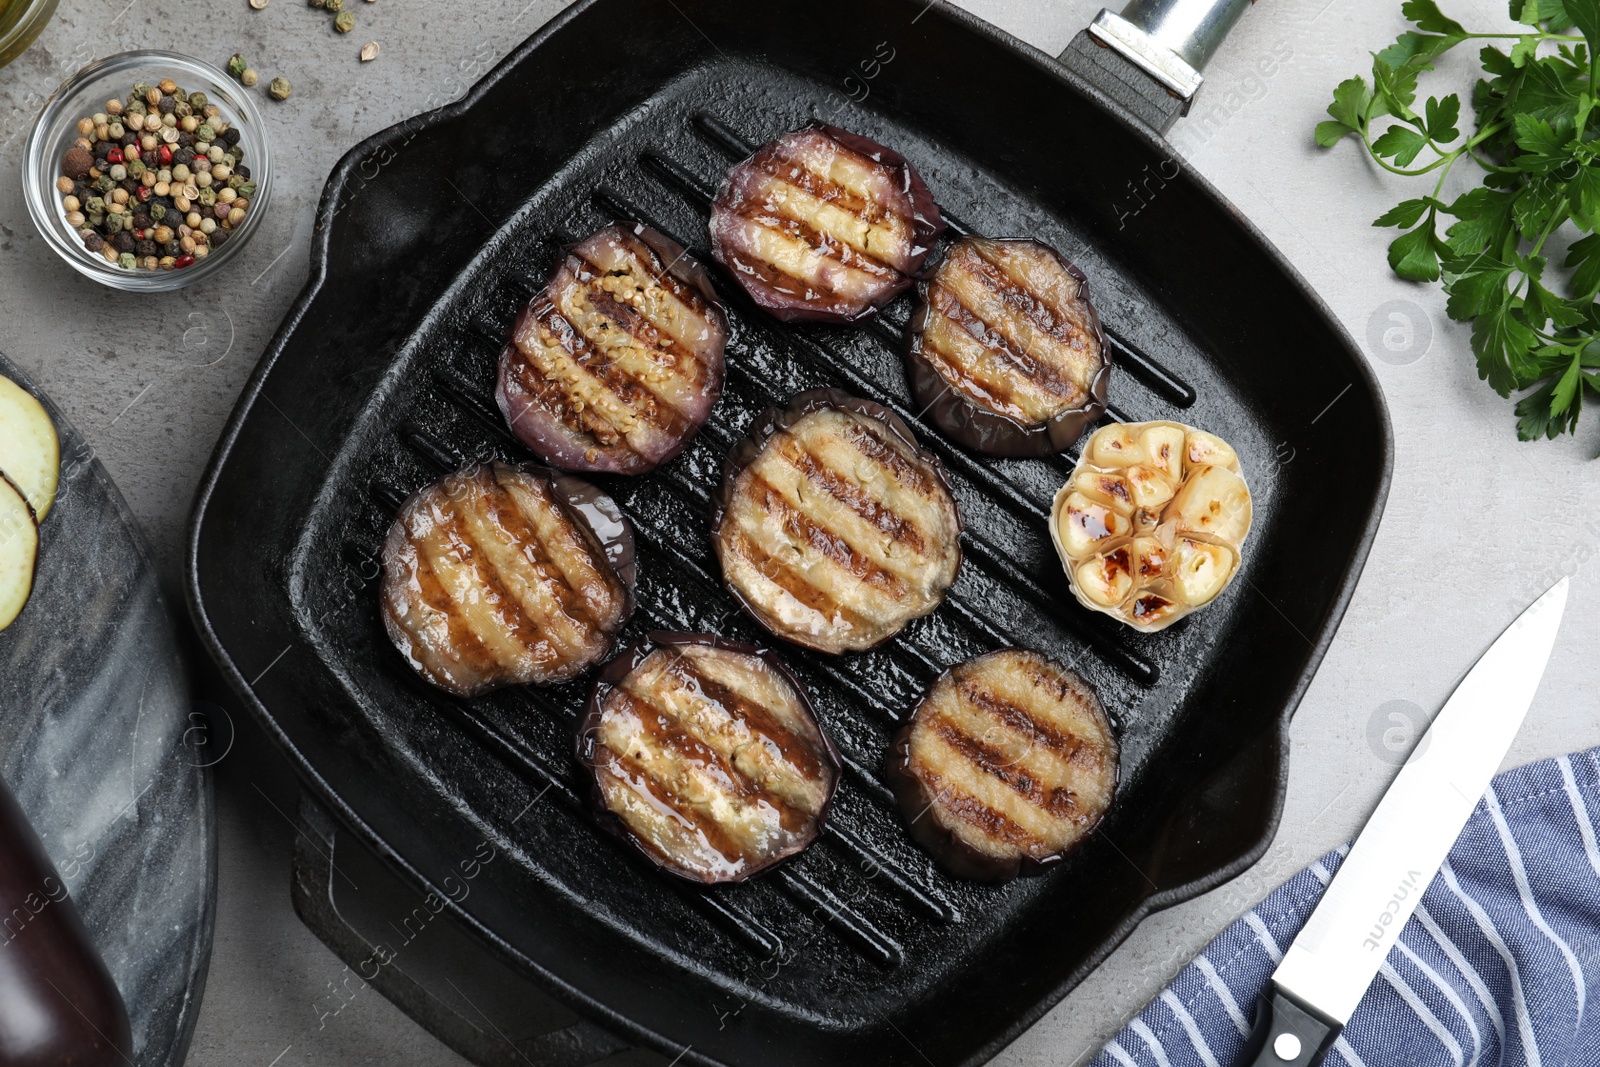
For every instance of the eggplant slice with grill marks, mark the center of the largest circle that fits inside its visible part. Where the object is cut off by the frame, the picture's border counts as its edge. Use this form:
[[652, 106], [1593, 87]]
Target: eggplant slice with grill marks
[[497, 575], [823, 224], [707, 757], [1007, 764], [1006, 353], [616, 364], [834, 529]]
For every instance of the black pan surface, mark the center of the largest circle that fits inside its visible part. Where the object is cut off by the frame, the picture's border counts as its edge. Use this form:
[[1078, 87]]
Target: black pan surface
[[430, 237]]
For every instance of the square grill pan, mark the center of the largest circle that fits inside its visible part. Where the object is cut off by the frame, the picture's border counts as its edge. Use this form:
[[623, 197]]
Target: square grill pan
[[430, 237]]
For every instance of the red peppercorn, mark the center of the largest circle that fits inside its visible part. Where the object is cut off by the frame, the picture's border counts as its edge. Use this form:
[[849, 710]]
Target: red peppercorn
[[183, 261], [114, 156], [143, 193], [138, 235], [165, 155]]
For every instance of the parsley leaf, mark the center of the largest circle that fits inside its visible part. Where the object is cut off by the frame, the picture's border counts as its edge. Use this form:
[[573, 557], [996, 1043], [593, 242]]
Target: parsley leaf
[[1535, 325]]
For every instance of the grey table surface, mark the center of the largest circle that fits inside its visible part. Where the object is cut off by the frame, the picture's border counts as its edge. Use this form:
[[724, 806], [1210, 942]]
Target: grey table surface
[[1477, 524]]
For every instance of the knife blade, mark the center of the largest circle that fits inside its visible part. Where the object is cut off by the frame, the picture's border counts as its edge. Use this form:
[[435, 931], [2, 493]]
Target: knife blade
[[1336, 955]]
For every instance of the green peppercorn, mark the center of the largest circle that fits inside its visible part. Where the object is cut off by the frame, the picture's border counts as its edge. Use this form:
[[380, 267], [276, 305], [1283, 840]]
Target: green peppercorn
[[158, 211], [248, 190], [208, 197], [126, 261], [136, 110], [345, 22], [279, 89], [104, 183], [205, 133], [317, 3], [334, 6], [236, 64], [140, 89], [136, 169]]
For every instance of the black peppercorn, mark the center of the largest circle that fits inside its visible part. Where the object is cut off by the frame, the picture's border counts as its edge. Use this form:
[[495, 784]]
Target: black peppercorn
[[243, 172], [218, 236], [123, 241], [130, 186], [184, 156], [81, 191], [185, 139], [144, 248], [172, 248], [93, 241], [129, 139], [166, 105], [230, 137], [142, 221]]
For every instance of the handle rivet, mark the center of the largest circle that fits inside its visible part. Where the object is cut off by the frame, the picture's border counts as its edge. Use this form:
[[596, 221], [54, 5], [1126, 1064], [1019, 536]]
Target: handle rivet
[[1286, 1047]]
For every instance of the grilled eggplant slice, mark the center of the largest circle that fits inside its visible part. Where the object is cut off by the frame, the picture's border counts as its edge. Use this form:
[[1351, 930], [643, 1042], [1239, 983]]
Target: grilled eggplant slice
[[823, 224], [1006, 353], [1007, 764], [1151, 523], [498, 575], [833, 528], [616, 364], [707, 756]]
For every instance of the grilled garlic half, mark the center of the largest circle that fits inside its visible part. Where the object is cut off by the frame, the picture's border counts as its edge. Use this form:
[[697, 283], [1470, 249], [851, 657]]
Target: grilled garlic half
[[1151, 523]]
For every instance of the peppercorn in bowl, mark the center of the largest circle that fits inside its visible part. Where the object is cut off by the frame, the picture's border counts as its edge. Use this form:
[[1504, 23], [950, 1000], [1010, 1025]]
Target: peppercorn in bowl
[[148, 171]]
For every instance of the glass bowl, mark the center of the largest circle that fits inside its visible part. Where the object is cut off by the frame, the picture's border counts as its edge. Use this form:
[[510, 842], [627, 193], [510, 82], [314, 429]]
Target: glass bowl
[[21, 21], [86, 93]]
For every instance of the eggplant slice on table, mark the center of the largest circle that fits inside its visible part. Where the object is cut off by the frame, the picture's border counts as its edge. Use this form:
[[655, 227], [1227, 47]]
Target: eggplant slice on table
[[497, 575], [1151, 524], [833, 528], [616, 364], [823, 224], [707, 757], [1007, 764], [1006, 353]]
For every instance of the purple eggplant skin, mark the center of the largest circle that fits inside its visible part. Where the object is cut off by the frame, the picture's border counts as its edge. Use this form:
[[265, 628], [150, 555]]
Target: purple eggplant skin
[[995, 433], [58, 1004], [857, 286]]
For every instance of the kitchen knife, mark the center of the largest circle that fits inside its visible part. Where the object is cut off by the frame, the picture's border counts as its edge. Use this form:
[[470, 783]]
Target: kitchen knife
[[1339, 950]]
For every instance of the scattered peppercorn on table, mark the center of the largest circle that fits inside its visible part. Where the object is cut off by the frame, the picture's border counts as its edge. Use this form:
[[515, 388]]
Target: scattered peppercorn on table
[[150, 378]]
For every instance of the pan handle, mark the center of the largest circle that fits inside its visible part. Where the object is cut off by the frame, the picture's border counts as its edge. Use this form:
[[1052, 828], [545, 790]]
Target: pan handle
[[1149, 57], [1171, 40]]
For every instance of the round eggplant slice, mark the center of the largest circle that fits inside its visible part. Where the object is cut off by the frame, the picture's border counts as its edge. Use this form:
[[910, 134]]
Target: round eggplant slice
[[615, 365], [707, 757], [1007, 764], [1006, 353], [823, 224], [1151, 524], [498, 575], [833, 528]]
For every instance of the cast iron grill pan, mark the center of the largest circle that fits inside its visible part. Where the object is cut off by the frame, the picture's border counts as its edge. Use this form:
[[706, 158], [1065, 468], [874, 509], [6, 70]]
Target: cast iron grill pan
[[859, 950]]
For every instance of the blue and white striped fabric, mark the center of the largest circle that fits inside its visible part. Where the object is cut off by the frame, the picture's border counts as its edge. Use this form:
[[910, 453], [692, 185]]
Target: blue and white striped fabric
[[1496, 967]]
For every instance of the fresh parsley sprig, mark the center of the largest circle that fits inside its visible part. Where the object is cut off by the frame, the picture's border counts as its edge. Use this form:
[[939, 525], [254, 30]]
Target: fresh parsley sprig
[[1534, 331]]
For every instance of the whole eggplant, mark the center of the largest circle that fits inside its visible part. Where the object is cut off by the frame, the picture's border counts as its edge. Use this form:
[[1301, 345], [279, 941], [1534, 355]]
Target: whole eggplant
[[58, 1004]]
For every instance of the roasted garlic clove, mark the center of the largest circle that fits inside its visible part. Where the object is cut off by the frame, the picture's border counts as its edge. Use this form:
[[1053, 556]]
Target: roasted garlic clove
[[1151, 523]]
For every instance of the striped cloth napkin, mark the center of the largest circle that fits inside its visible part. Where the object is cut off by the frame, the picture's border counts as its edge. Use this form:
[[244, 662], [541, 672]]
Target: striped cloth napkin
[[1496, 967]]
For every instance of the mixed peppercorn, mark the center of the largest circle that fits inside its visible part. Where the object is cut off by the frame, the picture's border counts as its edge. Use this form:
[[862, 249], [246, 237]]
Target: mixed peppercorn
[[157, 181]]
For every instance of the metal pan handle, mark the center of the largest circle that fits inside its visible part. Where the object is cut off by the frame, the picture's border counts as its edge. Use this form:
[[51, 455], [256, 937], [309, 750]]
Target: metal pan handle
[[1149, 57], [1171, 40]]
